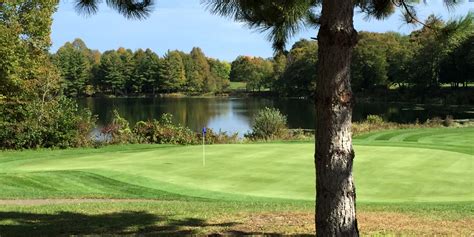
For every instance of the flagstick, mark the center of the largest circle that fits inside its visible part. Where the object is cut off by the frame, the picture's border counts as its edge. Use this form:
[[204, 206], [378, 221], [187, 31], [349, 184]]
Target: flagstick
[[203, 149]]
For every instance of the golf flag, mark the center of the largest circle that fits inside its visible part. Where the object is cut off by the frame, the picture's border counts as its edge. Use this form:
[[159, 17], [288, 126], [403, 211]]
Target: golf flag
[[203, 146]]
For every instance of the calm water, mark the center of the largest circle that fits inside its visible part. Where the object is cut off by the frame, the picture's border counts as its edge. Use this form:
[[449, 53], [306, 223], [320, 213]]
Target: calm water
[[235, 114]]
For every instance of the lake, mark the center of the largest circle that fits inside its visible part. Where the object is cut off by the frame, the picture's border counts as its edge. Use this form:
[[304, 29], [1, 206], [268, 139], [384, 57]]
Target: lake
[[235, 114]]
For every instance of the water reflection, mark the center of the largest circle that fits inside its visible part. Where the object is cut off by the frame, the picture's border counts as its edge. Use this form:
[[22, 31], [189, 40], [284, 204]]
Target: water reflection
[[235, 114]]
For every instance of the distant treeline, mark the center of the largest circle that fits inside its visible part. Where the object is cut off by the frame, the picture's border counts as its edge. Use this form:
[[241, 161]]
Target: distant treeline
[[438, 54], [124, 72]]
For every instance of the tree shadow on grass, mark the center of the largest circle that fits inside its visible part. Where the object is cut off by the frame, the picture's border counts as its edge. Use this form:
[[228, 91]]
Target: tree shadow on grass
[[120, 223], [111, 224]]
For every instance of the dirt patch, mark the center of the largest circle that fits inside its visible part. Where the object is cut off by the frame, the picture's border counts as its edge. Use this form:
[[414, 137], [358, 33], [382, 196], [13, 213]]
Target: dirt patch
[[370, 223], [33, 202]]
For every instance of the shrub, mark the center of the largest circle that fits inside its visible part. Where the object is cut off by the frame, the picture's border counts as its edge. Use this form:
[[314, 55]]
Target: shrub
[[359, 128], [55, 123], [374, 119], [144, 132], [448, 121], [163, 131], [219, 137], [434, 122], [118, 132], [269, 123], [86, 122], [301, 134]]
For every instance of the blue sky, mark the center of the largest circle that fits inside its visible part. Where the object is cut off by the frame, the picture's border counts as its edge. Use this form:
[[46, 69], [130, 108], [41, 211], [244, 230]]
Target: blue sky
[[182, 24]]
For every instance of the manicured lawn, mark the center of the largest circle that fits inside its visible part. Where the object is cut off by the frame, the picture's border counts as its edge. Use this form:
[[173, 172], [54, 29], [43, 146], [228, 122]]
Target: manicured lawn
[[426, 174], [238, 86]]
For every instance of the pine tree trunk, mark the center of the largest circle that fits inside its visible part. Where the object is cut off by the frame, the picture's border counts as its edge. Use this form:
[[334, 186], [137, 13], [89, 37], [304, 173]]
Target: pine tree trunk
[[335, 191]]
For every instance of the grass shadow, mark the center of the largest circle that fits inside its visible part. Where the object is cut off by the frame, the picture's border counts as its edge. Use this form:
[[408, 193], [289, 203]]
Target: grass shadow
[[119, 223]]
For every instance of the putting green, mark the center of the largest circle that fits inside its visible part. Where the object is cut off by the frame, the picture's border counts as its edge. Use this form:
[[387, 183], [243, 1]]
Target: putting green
[[422, 165]]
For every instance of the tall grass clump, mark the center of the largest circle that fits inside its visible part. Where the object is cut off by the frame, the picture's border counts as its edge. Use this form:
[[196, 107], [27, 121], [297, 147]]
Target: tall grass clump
[[118, 132], [374, 119], [163, 131], [159, 131], [219, 137]]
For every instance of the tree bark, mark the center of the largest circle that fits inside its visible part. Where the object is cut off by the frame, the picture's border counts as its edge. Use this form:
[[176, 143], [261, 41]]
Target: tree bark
[[335, 190]]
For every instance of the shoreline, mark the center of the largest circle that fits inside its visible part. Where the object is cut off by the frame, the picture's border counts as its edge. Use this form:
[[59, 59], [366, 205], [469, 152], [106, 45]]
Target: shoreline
[[442, 96]]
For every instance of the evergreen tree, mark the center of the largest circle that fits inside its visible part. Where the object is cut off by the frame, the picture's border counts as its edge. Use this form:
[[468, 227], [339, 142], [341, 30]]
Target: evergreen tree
[[128, 65], [73, 62], [112, 78], [138, 78], [200, 78], [188, 68], [151, 71], [172, 72]]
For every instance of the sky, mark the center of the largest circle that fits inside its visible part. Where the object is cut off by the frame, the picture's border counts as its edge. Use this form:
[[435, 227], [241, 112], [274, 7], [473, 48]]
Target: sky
[[184, 24]]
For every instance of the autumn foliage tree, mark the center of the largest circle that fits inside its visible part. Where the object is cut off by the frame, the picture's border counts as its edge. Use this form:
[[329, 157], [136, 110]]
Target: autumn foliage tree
[[255, 71], [25, 28], [33, 112]]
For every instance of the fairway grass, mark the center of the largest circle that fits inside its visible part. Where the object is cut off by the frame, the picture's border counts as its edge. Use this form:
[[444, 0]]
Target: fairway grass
[[423, 175]]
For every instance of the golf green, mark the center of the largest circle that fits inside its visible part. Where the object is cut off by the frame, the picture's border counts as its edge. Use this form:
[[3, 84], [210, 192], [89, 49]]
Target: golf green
[[420, 165]]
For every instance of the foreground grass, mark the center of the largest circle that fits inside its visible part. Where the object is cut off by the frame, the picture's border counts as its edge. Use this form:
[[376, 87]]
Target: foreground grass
[[202, 217], [416, 181]]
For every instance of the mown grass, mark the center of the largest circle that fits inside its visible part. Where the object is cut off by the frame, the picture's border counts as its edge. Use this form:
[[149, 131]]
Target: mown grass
[[217, 217], [237, 86], [423, 176]]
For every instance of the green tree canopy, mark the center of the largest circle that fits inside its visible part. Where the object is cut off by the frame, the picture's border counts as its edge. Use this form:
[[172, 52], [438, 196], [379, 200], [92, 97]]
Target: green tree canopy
[[200, 76], [173, 74], [369, 63], [74, 63], [433, 43], [111, 72], [220, 71], [299, 77], [255, 71], [25, 28]]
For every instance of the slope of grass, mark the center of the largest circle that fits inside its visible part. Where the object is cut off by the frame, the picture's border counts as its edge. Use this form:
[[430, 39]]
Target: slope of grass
[[429, 165], [409, 182], [74, 184]]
